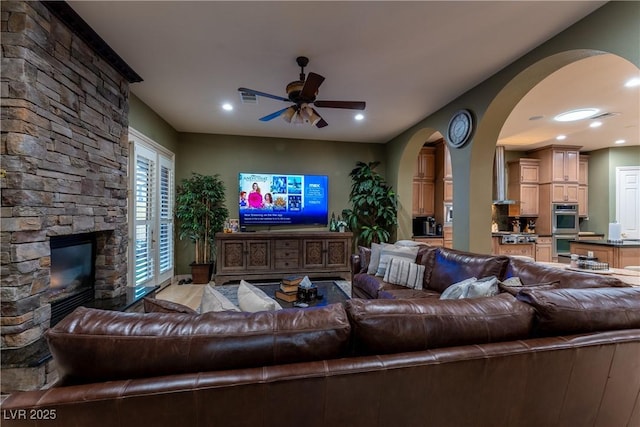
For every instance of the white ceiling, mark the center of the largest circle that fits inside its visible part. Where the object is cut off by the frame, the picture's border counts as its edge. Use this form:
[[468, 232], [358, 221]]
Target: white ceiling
[[404, 59]]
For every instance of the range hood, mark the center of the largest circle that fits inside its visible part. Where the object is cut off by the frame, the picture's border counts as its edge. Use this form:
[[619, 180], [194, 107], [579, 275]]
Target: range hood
[[500, 193]]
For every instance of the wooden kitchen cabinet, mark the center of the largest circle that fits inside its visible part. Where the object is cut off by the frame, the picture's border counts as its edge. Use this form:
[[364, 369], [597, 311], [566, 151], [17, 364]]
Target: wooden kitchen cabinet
[[423, 197], [557, 163], [447, 236], [562, 193], [524, 249], [424, 183], [543, 249], [425, 165], [583, 186], [583, 200], [523, 187]]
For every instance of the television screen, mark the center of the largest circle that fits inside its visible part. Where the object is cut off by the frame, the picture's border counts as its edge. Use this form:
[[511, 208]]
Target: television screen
[[279, 199]]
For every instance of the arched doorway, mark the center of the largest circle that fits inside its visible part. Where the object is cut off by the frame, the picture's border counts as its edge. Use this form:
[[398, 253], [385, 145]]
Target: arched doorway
[[473, 165]]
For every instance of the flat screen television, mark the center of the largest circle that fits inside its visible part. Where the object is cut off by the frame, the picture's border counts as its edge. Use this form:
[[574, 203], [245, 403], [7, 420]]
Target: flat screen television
[[281, 199]]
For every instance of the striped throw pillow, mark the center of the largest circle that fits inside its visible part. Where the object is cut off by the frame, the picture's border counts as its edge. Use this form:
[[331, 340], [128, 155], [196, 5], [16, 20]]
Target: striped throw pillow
[[389, 252], [404, 273]]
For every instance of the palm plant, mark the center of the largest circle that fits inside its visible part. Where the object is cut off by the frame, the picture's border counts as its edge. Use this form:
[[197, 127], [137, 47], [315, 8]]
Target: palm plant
[[373, 215]]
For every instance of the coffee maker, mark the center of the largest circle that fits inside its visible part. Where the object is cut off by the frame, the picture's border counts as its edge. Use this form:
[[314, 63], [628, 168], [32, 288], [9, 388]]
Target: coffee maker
[[430, 226]]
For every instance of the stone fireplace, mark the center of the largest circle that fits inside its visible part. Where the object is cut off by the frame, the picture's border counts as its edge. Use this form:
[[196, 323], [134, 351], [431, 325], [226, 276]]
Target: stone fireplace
[[64, 172]]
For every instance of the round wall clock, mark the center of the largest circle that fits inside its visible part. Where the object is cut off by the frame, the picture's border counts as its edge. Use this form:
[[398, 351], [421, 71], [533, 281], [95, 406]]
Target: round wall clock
[[460, 128]]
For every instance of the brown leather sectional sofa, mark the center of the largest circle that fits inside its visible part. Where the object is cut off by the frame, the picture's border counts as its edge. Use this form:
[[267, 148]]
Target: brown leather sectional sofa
[[444, 267], [545, 357]]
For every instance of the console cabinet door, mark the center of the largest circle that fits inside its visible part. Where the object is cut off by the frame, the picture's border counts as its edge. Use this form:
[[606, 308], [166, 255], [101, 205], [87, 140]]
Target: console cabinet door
[[329, 253], [258, 254], [242, 255], [231, 256]]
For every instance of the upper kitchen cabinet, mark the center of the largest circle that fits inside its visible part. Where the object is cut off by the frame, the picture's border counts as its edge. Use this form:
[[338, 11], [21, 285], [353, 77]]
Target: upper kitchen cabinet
[[523, 187], [423, 183], [557, 163], [425, 166]]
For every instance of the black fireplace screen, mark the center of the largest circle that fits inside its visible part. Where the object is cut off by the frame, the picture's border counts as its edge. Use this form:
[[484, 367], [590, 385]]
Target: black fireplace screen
[[72, 273]]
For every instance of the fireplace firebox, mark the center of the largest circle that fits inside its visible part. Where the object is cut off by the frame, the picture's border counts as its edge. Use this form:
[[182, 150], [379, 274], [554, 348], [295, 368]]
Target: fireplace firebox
[[72, 273]]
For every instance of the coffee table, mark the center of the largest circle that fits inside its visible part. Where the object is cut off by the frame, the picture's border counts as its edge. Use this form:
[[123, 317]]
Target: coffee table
[[332, 293]]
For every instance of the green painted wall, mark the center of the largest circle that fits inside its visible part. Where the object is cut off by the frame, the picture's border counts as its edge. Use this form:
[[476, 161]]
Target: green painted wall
[[228, 155], [148, 122], [602, 185], [613, 28]]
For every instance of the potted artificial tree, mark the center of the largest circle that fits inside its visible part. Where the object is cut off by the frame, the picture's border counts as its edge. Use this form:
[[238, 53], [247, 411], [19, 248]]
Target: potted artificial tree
[[374, 214], [201, 212]]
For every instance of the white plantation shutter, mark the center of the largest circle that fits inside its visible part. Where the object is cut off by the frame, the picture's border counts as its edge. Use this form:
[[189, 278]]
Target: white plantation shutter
[[165, 250], [152, 213]]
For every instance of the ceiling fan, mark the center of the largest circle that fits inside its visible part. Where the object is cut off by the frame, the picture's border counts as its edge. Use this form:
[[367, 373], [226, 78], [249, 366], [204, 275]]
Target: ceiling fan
[[303, 94]]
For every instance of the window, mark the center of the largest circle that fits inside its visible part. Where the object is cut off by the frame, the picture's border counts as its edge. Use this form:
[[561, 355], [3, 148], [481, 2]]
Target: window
[[151, 212]]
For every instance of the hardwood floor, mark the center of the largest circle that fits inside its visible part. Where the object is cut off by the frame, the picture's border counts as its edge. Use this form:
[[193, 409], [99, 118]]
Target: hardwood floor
[[189, 295]]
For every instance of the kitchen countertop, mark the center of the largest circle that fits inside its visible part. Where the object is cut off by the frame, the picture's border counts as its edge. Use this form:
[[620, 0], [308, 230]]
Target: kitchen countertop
[[618, 244]]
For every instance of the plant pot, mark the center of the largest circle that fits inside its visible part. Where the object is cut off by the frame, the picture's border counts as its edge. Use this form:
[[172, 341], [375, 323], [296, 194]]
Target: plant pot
[[201, 273]]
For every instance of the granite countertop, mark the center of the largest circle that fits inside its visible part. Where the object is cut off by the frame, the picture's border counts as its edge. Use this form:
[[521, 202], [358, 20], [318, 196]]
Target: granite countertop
[[616, 244]]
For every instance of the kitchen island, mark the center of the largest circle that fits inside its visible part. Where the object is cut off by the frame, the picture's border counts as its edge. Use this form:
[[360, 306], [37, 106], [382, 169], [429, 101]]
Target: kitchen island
[[618, 254]]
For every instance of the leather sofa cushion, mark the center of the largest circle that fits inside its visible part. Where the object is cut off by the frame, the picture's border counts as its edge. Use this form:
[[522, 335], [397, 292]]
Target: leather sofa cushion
[[531, 273], [452, 266], [572, 311], [93, 345], [368, 283], [386, 326]]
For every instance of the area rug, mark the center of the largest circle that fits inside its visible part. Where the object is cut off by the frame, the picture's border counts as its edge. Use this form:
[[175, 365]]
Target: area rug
[[231, 291]]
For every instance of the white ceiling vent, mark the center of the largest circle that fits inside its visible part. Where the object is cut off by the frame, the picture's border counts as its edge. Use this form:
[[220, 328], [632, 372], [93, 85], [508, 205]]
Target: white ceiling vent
[[248, 98], [604, 116]]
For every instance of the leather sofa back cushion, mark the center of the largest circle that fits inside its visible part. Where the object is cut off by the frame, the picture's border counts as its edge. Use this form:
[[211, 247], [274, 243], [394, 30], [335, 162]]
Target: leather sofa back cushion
[[452, 266], [572, 311], [395, 326], [531, 272], [93, 345]]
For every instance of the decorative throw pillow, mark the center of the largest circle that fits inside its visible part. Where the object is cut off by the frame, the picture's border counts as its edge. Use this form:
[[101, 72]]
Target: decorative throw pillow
[[389, 252], [152, 305], [376, 248], [456, 290], [485, 287], [408, 243], [213, 300], [252, 299], [404, 273]]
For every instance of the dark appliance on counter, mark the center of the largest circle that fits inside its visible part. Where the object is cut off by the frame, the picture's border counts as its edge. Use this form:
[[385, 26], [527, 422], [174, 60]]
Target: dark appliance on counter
[[424, 226]]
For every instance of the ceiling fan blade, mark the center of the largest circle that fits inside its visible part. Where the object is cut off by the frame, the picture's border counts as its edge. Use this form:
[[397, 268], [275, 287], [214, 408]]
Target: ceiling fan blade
[[321, 123], [272, 115], [349, 105], [258, 93], [311, 85]]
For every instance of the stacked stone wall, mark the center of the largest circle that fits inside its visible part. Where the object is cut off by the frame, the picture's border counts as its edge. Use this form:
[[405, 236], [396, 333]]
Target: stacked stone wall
[[64, 146]]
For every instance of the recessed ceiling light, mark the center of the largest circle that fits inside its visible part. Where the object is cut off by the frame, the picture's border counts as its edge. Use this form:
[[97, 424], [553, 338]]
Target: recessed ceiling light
[[595, 124], [359, 116], [620, 141], [227, 107], [561, 137], [633, 82], [573, 115]]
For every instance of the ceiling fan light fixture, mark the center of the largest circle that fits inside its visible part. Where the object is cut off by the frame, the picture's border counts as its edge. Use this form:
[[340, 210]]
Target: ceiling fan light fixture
[[288, 114]]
